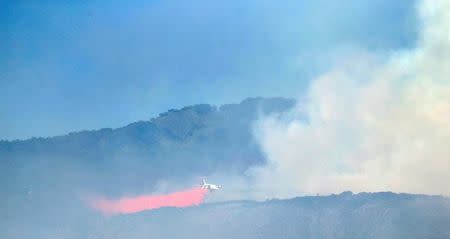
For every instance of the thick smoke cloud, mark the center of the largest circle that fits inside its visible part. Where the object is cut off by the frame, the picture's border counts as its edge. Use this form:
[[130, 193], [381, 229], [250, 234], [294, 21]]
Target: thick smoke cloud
[[370, 124]]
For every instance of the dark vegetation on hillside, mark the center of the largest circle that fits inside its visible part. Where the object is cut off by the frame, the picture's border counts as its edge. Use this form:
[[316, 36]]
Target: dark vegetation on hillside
[[179, 144]]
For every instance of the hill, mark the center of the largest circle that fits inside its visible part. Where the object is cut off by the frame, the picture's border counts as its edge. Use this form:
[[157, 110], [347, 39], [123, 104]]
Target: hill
[[364, 215], [179, 144]]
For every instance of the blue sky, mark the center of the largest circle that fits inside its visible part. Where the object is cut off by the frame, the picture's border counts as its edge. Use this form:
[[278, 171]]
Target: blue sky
[[75, 65]]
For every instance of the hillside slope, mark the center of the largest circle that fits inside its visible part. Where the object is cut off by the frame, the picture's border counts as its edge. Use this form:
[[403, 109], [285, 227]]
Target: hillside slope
[[179, 144], [366, 215]]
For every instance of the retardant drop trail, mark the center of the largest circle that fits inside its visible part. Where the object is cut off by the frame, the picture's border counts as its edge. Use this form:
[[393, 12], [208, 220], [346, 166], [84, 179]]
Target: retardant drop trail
[[186, 198]]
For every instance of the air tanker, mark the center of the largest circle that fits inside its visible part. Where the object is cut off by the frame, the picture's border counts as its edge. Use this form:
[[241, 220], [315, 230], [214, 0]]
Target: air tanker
[[209, 186]]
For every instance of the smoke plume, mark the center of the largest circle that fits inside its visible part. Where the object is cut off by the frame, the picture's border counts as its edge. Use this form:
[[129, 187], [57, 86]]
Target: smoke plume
[[186, 198], [370, 124]]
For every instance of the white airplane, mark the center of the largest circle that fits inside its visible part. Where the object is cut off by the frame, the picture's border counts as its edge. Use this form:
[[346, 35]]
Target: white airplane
[[209, 186]]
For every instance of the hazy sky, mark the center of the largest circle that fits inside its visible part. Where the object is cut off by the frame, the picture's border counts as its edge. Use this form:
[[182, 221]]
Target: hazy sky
[[73, 65]]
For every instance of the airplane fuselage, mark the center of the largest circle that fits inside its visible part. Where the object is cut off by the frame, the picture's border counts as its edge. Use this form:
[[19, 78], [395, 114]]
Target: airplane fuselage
[[211, 187]]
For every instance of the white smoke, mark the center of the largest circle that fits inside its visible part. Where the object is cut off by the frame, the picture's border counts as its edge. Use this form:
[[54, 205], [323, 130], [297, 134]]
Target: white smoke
[[369, 125]]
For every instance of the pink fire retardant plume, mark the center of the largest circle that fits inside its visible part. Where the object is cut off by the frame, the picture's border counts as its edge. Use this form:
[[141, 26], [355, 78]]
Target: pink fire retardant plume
[[186, 198]]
